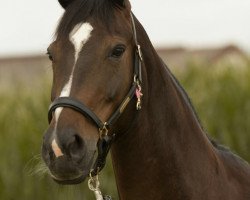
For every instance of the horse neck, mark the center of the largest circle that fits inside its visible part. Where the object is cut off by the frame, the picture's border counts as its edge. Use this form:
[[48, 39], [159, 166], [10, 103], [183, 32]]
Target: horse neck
[[166, 141]]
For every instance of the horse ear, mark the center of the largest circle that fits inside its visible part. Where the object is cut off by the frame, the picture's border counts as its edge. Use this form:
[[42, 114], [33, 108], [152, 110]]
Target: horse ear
[[65, 3], [120, 3]]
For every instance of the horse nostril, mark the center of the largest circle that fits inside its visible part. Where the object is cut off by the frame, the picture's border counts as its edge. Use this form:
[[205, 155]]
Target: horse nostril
[[67, 143], [76, 148], [51, 155]]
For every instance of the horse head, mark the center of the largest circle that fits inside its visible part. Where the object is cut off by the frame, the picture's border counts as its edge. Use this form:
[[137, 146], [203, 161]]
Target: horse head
[[93, 81]]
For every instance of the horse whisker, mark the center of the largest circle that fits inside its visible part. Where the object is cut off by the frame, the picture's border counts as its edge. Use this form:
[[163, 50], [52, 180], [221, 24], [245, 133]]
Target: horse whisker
[[36, 166]]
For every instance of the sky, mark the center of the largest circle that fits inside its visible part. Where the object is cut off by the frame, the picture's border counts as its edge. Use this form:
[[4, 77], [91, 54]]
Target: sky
[[27, 27]]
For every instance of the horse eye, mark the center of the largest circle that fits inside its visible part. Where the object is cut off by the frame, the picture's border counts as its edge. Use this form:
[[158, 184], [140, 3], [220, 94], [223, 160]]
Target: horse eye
[[49, 55], [118, 51]]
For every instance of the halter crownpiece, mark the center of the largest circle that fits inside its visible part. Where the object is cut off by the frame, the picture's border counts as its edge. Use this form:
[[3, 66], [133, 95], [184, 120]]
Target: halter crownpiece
[[106, 139]]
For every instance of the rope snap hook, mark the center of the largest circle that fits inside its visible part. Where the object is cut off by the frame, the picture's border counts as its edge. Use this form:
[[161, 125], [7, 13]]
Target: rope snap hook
[[94, 185]]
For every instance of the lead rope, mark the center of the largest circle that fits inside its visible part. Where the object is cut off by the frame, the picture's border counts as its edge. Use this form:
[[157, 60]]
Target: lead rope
[[93, 182], [94, 186]]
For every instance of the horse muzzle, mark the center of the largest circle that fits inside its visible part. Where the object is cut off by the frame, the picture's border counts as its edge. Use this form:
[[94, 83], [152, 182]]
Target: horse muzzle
[[68, 158]]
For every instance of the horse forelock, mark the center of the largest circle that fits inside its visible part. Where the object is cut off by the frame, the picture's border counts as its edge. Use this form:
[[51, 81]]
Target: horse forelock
[[80, 10]]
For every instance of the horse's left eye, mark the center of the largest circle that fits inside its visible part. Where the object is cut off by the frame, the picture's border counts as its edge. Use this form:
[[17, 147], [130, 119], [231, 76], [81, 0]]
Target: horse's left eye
[[49, 55], [118, 51]]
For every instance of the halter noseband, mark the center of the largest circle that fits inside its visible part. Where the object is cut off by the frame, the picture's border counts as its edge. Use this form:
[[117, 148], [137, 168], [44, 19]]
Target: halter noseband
[[105, 140]]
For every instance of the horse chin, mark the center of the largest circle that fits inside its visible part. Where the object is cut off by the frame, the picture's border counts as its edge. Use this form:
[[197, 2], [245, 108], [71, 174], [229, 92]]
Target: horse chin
[[72, 181], [76, 176]]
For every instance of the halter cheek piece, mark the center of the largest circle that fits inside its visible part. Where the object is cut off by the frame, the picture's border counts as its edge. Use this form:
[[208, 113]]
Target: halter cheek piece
[[105, 139]]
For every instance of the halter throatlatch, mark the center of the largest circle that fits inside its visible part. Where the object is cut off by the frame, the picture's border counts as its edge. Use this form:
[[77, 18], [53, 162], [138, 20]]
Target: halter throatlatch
[[105, 138]]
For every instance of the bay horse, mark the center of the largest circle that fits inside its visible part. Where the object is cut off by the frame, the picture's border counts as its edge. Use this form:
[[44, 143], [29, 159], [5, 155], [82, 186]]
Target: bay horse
[[103, 62]]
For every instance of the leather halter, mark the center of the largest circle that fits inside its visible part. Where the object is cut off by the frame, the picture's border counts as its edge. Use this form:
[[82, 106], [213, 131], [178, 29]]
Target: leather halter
[[105, 139]]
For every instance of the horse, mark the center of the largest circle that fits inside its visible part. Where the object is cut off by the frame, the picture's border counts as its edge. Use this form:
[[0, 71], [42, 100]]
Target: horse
[[111, 91]]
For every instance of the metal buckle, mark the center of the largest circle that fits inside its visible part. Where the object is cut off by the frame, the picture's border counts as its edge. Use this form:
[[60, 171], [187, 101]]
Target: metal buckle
[[139, 52], [103, 131]]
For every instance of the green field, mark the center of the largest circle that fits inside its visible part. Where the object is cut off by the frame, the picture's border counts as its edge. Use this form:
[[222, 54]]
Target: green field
[[220, 96]]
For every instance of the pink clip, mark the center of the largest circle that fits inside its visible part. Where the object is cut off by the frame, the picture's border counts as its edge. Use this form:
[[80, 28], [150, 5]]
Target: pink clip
[[138, 94]]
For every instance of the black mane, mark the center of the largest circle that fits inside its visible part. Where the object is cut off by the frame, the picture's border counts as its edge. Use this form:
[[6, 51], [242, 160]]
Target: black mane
[[80, 10]]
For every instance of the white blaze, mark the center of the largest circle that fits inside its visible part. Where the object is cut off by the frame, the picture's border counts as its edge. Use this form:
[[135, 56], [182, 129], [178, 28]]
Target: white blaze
[[78, 36], [56, 149]]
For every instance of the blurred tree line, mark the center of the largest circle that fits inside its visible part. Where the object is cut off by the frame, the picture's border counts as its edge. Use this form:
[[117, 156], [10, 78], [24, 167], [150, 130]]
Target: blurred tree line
[[221, 97]]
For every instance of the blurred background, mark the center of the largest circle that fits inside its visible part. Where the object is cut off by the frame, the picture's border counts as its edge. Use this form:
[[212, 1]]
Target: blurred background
[[205, 43]]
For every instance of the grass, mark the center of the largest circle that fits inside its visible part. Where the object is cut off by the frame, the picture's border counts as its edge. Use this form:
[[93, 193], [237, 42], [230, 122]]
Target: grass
[[23, 120], [222, 100]]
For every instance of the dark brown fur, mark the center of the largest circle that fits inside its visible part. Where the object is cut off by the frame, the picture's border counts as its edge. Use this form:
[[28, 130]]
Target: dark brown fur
[[168, 153]]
